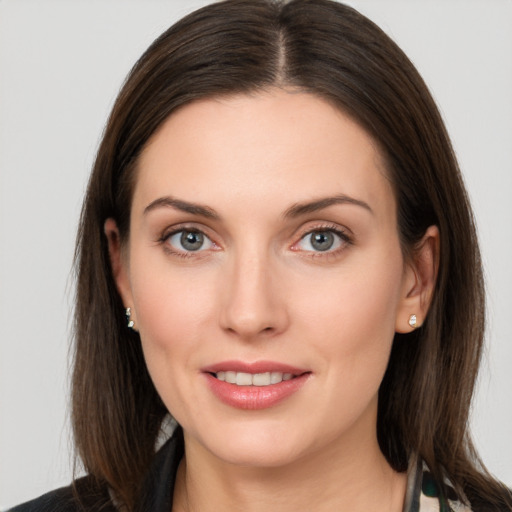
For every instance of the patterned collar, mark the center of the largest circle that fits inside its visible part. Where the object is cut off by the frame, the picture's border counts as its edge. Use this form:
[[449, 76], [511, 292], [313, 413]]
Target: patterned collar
[[423, 493]]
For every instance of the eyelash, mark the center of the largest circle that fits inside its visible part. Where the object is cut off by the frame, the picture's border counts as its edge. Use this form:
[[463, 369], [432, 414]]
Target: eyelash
[[344, 239], [167, 235]]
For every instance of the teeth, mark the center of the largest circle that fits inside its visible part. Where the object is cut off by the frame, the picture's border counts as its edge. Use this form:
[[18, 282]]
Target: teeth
[[250, 379], [276, 377], [243, 379], [262, 379]]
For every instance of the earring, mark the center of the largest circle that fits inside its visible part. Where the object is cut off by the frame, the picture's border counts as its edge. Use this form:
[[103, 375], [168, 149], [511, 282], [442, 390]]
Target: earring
[[130, 322], [413, 322]]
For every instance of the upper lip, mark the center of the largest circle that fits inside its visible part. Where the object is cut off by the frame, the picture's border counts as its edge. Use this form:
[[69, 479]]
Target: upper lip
[[254, 367]]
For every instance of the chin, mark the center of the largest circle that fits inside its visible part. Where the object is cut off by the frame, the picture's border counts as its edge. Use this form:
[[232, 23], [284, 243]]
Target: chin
[[258, 457], [251, 446]]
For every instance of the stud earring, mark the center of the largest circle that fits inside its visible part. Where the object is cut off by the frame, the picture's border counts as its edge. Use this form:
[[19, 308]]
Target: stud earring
[[130, 322], [413, 321]]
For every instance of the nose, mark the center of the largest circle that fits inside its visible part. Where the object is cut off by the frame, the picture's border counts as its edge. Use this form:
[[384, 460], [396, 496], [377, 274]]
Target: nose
[[254, 303]]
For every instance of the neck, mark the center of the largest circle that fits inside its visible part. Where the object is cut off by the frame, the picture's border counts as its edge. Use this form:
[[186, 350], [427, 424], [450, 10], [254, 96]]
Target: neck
[[343, 476]]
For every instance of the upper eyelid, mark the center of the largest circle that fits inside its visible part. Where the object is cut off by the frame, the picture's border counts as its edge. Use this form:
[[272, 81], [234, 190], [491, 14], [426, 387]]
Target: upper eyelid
[[164, 236], [338, 232], [344, 235], [186, 226], [324, 226]]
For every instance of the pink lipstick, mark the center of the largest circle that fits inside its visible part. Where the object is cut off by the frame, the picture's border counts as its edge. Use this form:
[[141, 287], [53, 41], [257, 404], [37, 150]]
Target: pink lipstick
[[254, 386]]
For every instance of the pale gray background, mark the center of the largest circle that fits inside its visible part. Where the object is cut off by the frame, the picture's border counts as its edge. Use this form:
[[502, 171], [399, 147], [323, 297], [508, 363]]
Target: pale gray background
[[61, 64]]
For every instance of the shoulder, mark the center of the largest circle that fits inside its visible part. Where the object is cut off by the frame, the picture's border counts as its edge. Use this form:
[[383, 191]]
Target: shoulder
[[426, 494], [87, 495], [84, 495]]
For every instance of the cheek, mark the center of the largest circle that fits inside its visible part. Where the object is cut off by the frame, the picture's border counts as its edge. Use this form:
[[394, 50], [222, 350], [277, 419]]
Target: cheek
[[173, 306], [352, 316], [168, 295], [171, 315], [351, 325]]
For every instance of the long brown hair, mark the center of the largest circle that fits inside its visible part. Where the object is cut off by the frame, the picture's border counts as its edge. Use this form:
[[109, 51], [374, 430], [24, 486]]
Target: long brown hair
[[331, 51]]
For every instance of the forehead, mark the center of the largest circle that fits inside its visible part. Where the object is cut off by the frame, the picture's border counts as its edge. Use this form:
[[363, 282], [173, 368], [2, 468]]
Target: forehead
[[277, 144]]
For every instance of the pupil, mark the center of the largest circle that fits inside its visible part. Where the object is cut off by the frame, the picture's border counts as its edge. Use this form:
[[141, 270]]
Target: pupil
[[322, 241], [191, 241]]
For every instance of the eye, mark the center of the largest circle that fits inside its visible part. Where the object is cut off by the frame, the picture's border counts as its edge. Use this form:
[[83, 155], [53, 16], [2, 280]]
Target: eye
[[322, 240], [189, 241]]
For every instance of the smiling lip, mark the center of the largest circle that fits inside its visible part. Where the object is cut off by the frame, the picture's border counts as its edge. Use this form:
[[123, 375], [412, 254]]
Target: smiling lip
[[288, 380]]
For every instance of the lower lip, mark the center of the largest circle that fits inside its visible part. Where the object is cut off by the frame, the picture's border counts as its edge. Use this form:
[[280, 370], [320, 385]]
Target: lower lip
[[255, 397]]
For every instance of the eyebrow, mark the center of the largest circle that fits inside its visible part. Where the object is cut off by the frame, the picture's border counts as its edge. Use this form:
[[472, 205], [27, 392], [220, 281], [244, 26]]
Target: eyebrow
[[184, 206], [319, 204], [295, 210]]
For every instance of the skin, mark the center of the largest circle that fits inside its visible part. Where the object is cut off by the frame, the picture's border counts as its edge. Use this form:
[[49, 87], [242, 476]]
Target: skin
[[259, 290]]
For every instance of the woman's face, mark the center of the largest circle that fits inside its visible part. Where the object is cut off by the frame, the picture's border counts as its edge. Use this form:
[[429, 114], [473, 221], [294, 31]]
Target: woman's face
[[264, 250]]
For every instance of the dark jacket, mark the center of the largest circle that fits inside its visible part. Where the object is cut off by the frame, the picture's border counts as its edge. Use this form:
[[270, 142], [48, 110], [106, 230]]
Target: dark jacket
[[87, 496]]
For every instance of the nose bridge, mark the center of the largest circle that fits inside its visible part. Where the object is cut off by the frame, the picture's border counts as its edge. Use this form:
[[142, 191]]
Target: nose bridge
[[253, 304]]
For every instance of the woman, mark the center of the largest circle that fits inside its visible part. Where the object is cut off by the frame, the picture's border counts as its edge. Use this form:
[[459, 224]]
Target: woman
[[270, 250]]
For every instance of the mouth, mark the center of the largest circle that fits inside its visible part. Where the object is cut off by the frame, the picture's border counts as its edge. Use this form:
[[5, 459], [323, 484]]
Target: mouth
[[253, 386], [252, 379]]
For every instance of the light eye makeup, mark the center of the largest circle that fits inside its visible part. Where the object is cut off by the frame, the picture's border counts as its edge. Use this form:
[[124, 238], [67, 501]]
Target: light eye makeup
[[320, 240], [323, 240], [186, 241]]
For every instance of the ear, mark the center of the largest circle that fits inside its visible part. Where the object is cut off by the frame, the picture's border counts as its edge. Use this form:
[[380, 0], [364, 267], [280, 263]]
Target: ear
[[419, 281], [118, 263]]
